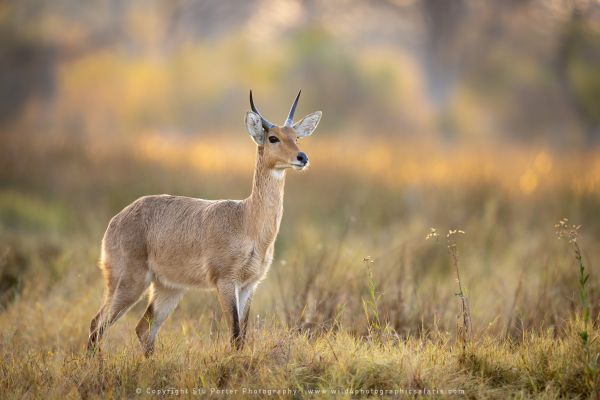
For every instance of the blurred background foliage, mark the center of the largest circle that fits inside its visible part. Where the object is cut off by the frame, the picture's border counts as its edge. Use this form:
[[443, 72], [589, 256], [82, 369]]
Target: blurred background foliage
[[460, 69], [479, 115]]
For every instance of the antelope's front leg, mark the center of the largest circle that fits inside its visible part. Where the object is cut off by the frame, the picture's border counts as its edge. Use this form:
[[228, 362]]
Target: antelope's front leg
[[235, 303], [229, 298], [245, 298]]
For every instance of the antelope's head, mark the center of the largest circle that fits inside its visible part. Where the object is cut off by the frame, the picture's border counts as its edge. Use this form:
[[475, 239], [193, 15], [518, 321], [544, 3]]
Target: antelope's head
[[280, 143]]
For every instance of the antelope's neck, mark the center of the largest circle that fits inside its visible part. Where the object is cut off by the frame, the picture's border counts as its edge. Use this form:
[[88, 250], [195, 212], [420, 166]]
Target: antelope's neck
[[265, 204]]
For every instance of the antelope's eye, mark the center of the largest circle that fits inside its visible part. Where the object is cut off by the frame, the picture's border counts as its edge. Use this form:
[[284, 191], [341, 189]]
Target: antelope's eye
[[273, 139]]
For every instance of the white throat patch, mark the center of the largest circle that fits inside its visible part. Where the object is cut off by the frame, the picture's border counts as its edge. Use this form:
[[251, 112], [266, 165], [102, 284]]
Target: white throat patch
[[278, 173]]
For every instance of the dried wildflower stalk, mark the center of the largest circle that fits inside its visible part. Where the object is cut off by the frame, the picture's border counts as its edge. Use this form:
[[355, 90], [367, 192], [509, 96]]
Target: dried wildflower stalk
[[464, 331], [570, 232], [370, 305]]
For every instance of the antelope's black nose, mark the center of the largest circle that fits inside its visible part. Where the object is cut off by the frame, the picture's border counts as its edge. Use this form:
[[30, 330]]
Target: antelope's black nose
[[303, 158]]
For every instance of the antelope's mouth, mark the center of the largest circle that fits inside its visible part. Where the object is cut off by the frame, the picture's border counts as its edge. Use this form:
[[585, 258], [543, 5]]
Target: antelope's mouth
[[299, 166]]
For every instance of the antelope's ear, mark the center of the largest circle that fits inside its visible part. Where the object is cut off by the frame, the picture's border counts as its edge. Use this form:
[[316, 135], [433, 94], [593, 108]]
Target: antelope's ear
[[308, 124], [255, 128]]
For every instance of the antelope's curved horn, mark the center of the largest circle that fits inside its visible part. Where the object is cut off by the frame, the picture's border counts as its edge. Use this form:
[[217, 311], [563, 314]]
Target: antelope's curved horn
[[290, 118], [266, 124]]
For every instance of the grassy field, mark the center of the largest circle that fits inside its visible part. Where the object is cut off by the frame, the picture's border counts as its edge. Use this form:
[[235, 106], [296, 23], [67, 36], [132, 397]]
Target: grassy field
[[357, 303]]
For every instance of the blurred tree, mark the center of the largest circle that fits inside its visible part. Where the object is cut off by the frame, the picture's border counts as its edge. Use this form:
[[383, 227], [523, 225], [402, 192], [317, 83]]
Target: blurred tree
[[27, 71], [201, 20], [443, 20], [577, 64], [30, 53]]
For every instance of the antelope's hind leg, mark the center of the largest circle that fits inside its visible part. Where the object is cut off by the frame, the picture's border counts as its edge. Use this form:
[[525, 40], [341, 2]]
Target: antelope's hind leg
[[122, 293], [163, 300], [95, 331]]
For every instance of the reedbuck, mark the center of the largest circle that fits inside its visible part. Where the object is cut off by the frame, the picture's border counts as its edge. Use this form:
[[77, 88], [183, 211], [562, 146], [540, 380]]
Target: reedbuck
[[173, 243]]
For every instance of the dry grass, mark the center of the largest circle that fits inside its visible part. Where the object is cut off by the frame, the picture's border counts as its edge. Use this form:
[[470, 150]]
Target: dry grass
[[327, 317], [278, 359]]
